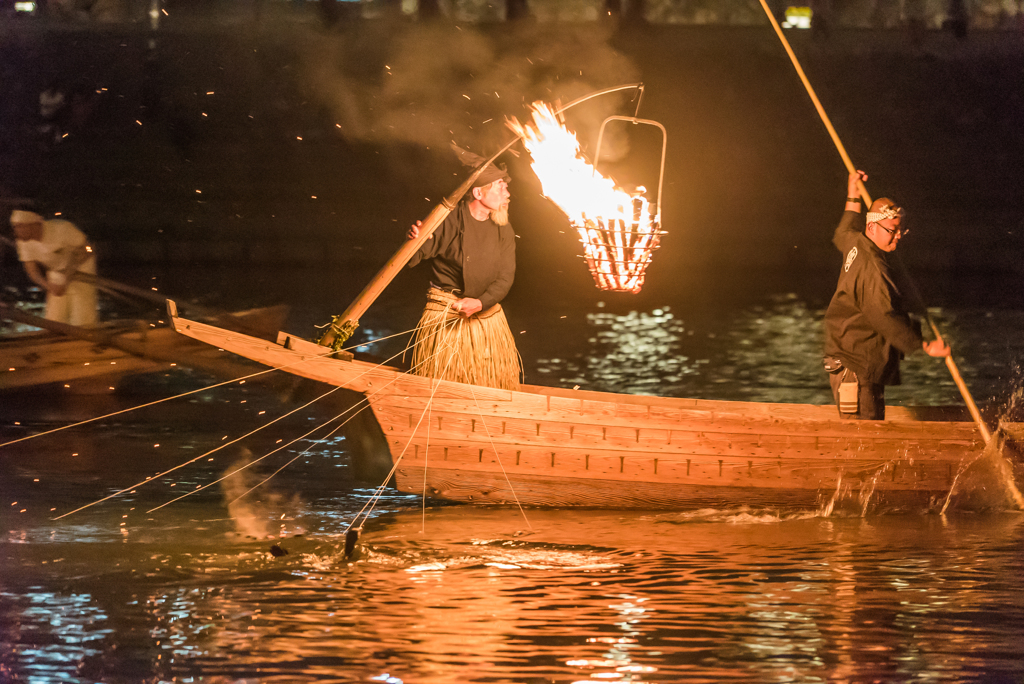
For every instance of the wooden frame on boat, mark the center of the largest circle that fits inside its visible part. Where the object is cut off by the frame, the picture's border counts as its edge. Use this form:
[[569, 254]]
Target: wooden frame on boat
[[544, 446]]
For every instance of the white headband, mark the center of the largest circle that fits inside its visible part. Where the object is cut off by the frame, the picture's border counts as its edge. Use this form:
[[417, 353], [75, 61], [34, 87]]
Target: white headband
[[891, 211], [19, 216]]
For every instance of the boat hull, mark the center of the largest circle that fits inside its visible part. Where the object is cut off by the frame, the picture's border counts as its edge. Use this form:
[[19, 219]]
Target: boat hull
[[545, 446]]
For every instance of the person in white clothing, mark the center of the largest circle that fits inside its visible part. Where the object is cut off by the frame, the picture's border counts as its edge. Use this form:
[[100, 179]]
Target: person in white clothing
[[51, 251]]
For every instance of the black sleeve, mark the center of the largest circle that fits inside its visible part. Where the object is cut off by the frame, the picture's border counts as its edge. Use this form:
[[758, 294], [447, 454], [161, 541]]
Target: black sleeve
[[875, 298], [502, 282], [850, 226], [438, 241]]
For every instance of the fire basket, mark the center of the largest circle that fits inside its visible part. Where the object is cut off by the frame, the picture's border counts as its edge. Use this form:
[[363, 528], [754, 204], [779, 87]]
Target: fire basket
[[619, 229], [617, 253], [619, 249]]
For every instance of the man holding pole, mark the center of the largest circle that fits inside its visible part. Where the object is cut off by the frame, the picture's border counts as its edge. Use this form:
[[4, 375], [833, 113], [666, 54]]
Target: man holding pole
[[463, 334], [51, 252], [867, 326]]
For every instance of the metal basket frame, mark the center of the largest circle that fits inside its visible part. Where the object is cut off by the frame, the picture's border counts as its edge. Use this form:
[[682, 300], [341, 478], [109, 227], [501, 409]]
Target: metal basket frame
[[601, 278], [664, 149]]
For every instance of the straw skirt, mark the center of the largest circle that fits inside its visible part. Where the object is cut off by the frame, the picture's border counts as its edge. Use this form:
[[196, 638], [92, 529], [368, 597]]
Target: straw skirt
[[479, 350]]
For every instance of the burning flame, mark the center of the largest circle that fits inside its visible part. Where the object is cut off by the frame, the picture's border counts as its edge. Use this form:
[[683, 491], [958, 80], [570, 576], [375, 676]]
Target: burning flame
[[618, 229]]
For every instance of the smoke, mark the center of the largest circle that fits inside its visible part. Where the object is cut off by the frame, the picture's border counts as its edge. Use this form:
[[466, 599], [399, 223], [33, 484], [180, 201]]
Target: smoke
[[258, 513], [428, 84]]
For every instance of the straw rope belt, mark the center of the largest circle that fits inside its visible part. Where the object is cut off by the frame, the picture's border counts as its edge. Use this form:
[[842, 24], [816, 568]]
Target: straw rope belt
[[442, 300]]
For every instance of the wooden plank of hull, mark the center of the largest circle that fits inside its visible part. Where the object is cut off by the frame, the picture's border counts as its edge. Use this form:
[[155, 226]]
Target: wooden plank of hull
[[664, 428], [703, 469], [821, 421], [748, 472], [626, 408], [477, 487]]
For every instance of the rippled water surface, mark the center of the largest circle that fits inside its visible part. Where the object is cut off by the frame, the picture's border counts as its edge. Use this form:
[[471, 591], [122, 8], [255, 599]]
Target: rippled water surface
[[232, 585], [467, 595]]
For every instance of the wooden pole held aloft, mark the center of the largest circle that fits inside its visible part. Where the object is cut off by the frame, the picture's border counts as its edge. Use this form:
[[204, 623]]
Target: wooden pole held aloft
[[342, 327], [950, 364]]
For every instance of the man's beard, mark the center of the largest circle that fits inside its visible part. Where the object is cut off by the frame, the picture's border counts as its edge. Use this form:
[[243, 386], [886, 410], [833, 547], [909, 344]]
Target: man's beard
[[500, 216]]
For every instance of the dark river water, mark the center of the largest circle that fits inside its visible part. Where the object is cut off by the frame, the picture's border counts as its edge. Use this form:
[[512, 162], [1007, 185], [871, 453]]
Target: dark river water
[[229, 586]]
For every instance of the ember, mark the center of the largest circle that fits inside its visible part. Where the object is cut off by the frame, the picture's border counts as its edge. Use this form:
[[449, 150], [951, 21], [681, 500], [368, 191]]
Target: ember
[[618, 228]]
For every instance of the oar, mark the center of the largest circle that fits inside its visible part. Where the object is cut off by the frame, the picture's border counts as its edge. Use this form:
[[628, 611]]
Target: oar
[[950, 363], [116, 289], [342, 327], [94, 335]]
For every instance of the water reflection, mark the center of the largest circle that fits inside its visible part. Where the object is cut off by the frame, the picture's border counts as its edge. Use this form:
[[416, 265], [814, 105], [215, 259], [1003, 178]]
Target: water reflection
[[81, 624], [617, 663], [769, 351], [460, 594]]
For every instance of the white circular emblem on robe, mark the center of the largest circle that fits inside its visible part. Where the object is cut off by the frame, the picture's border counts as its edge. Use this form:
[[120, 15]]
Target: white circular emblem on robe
[[849, 259]]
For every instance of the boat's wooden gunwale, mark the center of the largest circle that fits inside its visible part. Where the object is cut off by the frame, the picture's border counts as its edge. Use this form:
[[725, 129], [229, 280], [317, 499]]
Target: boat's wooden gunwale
[[445, 396], [370, 379], [343, 372]]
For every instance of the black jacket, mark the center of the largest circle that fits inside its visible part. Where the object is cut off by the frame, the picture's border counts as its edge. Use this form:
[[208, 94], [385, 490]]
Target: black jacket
[[867, 324], [475, 258]]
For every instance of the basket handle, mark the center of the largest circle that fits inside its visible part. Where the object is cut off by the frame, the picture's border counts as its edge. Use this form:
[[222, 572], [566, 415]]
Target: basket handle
[[664, 147]]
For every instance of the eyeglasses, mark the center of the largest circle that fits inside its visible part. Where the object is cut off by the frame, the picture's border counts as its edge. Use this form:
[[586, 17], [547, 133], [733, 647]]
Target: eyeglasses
[[903, 232]]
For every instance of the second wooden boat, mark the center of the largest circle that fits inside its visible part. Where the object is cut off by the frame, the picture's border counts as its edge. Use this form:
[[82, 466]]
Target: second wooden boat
[[76, 357]]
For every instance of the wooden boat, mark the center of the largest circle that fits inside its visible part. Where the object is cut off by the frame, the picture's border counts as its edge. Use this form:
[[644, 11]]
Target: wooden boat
[[544, 446], [76, 357]]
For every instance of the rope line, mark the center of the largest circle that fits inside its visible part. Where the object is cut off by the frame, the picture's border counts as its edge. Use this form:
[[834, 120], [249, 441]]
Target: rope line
[[196, 391], [235, 441], [266, 455], [304, 451], [189, 462], [375, 497], [426, 464], [365, 400], [497, 457], [378, 492]]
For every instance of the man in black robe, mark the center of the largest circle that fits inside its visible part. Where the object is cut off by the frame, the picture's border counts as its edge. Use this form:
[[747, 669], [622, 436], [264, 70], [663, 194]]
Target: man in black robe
[[463, 334], [868, 328]]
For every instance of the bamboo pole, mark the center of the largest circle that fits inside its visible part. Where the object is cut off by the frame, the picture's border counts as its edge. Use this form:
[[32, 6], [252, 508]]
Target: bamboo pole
[[119, 290], [342, 327], [950, 363]]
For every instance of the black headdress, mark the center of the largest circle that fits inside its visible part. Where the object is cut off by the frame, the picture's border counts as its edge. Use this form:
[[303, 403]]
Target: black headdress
[[474, 161]]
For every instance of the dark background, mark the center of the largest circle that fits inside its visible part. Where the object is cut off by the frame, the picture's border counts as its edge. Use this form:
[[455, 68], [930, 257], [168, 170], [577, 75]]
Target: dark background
[[251, 163]]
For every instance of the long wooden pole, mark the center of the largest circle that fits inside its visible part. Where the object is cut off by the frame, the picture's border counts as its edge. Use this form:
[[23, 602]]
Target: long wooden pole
[[114, 288], [342, 327], [950, 363]]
